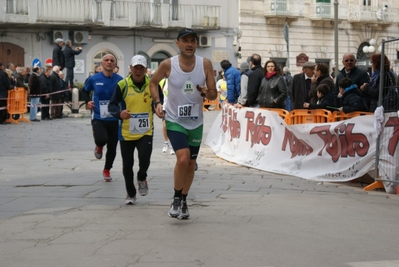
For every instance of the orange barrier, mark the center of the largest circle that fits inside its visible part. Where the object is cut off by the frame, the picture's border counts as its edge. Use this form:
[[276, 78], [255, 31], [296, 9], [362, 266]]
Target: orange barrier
[[374, 185], [284, 114], [339, 116], [300, 116], [215, 103], [17, 105]]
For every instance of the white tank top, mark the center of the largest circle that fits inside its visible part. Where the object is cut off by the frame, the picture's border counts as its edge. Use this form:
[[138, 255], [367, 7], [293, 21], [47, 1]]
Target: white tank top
[[184, 100]]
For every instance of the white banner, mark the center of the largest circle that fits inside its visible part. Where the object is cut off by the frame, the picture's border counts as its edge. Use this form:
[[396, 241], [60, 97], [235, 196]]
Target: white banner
[[338, 151]]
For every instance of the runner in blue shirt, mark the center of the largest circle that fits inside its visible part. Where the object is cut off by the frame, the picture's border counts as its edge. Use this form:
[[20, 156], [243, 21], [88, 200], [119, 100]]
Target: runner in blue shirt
[[105, 126]]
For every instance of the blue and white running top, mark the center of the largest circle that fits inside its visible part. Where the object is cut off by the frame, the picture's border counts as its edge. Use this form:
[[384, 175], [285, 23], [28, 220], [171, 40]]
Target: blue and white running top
[[103, 87]]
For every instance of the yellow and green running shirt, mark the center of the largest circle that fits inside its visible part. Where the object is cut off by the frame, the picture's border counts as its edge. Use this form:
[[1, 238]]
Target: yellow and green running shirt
[[139, 102]]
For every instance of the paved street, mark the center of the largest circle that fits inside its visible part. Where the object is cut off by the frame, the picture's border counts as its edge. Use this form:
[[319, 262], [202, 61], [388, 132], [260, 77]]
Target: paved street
[[55, 210]]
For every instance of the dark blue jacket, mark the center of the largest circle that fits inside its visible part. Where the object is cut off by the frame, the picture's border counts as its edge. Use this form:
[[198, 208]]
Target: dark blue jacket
[[357, 76], [351, 100], [233, 79], [69, 54], [326, 101]]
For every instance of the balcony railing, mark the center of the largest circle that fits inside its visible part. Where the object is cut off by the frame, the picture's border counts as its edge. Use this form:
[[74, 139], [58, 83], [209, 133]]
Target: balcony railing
[[116, 13], [17, 7], [148, 14], [325, 11], [379, 15], [68, 11], [284, 8], [120, 10], [206, 16]]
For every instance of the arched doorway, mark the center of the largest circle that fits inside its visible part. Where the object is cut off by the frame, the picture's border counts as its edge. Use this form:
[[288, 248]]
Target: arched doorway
[[157, 58], [159, 52], [104, 47], [12, 53]]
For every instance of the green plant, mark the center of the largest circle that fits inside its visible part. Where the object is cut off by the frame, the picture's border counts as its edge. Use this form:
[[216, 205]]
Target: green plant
[[79, 86]]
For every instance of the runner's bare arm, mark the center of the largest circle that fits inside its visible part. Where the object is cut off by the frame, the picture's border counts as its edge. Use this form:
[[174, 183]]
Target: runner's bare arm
[[211, 93]]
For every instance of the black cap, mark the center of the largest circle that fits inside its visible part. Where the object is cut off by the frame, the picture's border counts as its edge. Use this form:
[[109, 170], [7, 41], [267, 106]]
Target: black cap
[[185, 32]]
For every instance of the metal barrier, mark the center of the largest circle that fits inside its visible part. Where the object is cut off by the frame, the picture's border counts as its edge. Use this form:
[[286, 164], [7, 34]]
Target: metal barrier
[[389, 48]]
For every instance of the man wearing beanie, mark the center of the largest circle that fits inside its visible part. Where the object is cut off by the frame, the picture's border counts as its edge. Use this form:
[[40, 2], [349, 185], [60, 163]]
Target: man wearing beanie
[[233, 78], [245, 71]]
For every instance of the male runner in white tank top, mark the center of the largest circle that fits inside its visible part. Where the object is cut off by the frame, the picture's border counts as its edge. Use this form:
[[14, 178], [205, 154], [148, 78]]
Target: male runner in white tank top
[[190, 78]]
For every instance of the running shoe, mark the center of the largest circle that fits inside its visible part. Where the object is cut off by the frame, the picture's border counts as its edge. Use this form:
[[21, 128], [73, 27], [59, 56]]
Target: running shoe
[[184, 214], [130, 200], [172, 152], [174, 211], [107, 176], [143, 188], [165, 148], [98, 152]]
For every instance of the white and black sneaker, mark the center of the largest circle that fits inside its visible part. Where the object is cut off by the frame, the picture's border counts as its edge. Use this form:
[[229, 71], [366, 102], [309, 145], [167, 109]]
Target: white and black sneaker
[[143, 188], [165, 148], [184, 214], [130, 200], [175, 209]]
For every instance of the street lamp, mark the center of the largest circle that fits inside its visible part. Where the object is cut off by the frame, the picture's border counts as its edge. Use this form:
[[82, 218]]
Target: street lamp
[[371, 48], [368, 49]]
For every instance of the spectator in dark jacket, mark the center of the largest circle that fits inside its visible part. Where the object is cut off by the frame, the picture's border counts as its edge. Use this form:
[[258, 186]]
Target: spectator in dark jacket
[[35, 91], [254, 80], [46, 87], [27, 74], [4, 87], [10, 70], [233, 78], [325, 98], [288, 79], [56, 97], [66, 91], [58, 55], [356, 75], [19, 79], [273, 89], [349, 98], [321, 77], [371, 90], [69, 54]]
